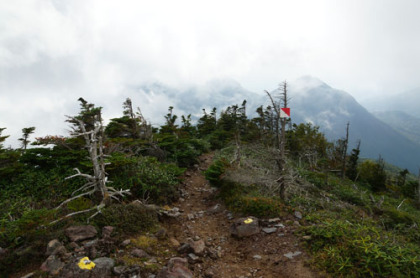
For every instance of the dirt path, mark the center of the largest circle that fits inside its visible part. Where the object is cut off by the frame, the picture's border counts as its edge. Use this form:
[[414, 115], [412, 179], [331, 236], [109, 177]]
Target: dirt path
[[204, 217]]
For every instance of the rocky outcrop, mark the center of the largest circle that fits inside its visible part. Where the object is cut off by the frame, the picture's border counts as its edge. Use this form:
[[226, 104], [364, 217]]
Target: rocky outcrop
[[79, 233], [245, 227], [103, 269]]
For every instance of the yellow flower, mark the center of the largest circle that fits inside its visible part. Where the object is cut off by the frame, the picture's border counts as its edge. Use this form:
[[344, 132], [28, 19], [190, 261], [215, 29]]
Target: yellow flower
[[85, 263]]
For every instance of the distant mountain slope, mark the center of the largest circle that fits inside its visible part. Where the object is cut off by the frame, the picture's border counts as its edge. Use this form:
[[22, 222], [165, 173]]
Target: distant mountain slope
[[405, 124], [314, 101], [408, 102]]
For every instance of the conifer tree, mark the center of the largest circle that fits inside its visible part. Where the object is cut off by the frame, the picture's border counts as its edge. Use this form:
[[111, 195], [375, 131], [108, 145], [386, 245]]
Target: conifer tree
[[353, 162], [25, 136], [2, 138]]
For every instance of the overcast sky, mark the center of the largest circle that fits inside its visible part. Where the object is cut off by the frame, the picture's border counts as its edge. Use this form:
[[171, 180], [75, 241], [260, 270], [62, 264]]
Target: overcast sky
[[52, 52]]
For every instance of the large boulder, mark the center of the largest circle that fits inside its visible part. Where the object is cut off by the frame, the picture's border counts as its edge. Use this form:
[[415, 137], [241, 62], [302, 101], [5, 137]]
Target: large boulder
[[177, 268], [245, 227], [79, 233], [103, 269]]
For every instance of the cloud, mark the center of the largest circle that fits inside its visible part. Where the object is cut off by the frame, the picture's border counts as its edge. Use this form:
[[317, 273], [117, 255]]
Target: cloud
[[53, 52]]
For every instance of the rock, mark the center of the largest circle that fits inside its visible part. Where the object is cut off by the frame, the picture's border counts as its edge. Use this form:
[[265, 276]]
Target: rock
[[107, 231], [298, 215], [307, 237], [269, 230], [177, 268], [103, 267], [174, 212], [52, 246], [192, 258], [212, 253], [79, 233], [139, 253], [257, 257], [279, 225], [296, 223], [73, 245], [209, 273], [215, 209], [273, 220], [290, 255], [53, 265], [61, 252], [190, 216], [90, 243], [175, 243], [197, 246], [127, 271], [125, 242], [119, 270], [245, 227], [161, 234], [185, 248], [280, 235]]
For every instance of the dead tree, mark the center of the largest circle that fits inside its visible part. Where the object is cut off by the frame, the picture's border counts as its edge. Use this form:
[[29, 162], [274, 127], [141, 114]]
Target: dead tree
[[344, 154], [96, 186], [280, 135]]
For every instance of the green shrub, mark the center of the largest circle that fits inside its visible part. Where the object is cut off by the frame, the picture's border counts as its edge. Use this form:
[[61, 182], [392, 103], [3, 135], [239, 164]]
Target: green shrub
[[259, 206], [147, 177], [128, 219], [31, 224], [359, 250], [214, 173], [182, 151], [349, 195], [393, 217], [317, 178]]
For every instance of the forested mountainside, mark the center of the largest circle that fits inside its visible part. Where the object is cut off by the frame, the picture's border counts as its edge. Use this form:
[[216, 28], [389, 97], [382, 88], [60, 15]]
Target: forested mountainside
[[332, 109], [348, 217]]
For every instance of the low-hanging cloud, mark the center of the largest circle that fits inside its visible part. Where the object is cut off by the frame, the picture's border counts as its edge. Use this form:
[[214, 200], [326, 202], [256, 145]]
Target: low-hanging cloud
[[53, 52]]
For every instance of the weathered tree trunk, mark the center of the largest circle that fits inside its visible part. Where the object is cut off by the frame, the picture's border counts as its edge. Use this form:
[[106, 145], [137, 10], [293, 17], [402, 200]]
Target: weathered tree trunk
[[280, 137], [96, 185], [344, 155]]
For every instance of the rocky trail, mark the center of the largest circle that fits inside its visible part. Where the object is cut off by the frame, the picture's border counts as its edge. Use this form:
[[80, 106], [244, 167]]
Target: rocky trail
[[262, 248], [198, 237]]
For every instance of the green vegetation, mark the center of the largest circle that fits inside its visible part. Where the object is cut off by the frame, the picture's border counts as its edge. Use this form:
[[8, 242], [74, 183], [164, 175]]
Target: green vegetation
[[361, 217], [128, 219], [365, 225], [361, 250]]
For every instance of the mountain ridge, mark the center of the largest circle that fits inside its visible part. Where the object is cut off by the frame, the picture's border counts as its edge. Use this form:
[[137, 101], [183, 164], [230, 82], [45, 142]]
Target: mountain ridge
[[312, 100]]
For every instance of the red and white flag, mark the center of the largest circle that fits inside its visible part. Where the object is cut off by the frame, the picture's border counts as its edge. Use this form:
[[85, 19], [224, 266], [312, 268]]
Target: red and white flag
[[284, 112]]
